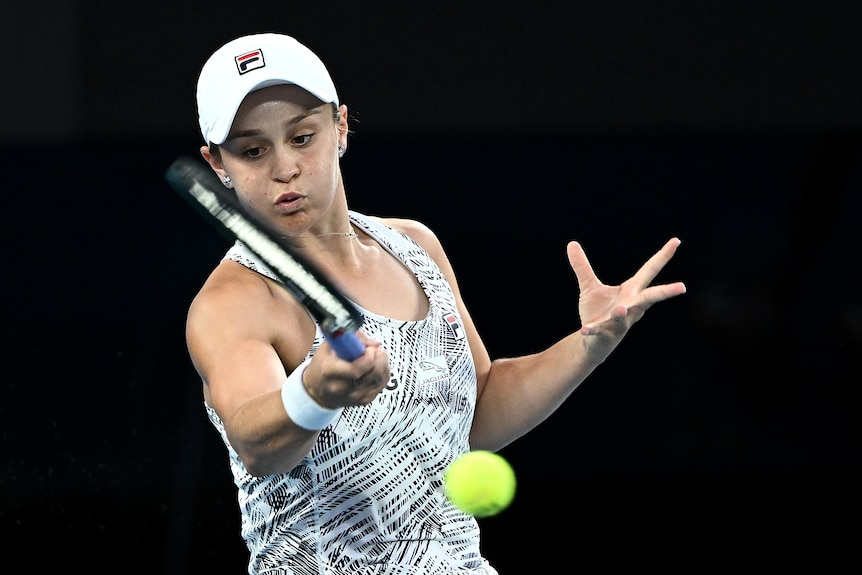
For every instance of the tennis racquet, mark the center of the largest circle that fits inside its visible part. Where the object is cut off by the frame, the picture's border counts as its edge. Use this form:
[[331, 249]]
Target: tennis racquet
[[337, 316]]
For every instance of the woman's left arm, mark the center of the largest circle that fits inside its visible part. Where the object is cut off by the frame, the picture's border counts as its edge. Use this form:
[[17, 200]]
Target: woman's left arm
[[517, 394]]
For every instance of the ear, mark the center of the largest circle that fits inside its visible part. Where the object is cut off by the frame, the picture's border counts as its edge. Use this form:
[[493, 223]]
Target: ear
[[214, 160], [342, 127]]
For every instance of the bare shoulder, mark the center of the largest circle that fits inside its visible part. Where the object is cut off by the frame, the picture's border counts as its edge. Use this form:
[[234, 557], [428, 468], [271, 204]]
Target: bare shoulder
[[419, 232], [236, 304], [228, 286], [222, 301]]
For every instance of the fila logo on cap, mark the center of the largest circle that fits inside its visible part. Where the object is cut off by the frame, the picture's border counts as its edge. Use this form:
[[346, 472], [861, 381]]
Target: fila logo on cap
[[249, 61]]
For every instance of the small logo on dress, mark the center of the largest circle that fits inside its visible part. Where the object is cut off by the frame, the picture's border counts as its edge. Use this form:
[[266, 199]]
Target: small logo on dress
[[432, 370], [250, 61], [454, 324], [435, 365]]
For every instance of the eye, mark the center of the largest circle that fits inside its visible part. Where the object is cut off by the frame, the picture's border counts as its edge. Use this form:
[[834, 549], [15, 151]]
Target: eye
[[253, 153], [303, 139]]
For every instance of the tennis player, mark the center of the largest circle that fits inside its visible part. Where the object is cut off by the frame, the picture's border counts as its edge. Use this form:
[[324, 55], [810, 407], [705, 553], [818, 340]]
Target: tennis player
[[339, 464]]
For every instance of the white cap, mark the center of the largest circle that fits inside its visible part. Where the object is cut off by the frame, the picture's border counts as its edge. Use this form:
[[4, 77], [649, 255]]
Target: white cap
[[250, 63]]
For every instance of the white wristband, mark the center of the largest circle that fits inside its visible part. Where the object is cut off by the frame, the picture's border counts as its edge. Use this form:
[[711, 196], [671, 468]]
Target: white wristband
[[300, 407]]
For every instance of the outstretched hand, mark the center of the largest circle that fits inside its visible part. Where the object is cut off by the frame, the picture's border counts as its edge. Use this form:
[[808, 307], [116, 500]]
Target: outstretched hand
[[608, 312]]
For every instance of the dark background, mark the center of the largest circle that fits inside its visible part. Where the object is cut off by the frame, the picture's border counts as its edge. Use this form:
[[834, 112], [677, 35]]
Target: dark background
[[722, 434]]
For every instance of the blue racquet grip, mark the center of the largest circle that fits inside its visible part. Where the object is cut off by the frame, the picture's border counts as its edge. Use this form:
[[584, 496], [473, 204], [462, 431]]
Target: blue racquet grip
[[346, 345]]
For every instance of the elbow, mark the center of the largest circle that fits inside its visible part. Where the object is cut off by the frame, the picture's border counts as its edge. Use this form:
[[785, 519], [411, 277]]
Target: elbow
[[258, 472], [255, 466], [251, 460], [271, 451], [256, 457], [262, 460], [262, 466]]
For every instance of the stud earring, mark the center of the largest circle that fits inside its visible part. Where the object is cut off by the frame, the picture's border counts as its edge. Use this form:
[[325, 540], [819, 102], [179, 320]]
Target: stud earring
[[226, 181], [341, 151]]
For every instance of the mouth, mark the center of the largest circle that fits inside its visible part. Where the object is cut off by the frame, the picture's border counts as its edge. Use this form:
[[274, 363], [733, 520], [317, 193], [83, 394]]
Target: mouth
[[287, 197], [288, 201]]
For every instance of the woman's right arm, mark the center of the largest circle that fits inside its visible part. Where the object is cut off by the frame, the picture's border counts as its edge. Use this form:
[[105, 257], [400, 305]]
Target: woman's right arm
[[232, 342], [245, 334]]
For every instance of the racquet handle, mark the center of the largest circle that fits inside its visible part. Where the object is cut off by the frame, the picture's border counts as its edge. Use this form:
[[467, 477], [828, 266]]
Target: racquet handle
[[345, 344]]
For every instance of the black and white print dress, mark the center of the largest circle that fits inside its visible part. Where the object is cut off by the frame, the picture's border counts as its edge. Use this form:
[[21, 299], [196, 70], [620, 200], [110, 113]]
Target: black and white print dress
[[369, 497]]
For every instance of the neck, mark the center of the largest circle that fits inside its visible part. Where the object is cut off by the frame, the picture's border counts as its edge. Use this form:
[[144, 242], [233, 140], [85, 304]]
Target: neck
[[351, 234]]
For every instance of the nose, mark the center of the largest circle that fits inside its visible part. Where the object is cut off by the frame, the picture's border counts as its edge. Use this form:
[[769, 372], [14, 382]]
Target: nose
[[285, 166]]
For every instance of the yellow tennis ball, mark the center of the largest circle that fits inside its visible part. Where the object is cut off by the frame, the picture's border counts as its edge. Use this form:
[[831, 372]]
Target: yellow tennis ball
[[480, 483]]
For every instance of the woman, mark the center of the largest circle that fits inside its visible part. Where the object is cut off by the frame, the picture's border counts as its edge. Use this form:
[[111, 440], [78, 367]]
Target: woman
[[339, 464]]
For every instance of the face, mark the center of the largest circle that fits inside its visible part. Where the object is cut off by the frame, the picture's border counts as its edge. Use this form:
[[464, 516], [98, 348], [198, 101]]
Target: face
[[282, 157]]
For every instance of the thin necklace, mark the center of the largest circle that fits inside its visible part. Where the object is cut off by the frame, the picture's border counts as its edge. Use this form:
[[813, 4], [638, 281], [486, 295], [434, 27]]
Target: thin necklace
[[351, 234]]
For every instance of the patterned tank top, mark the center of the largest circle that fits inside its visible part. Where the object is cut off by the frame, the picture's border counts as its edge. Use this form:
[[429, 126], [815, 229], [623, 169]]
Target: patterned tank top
[[368, 498]]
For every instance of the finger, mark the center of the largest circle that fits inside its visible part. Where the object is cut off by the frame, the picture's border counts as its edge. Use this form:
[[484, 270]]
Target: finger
[[369, 381], [368, 340], [580, 264], [358, 383], [377, 373], [367, 389], [655, 294], [615, 324], [648, 272]]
